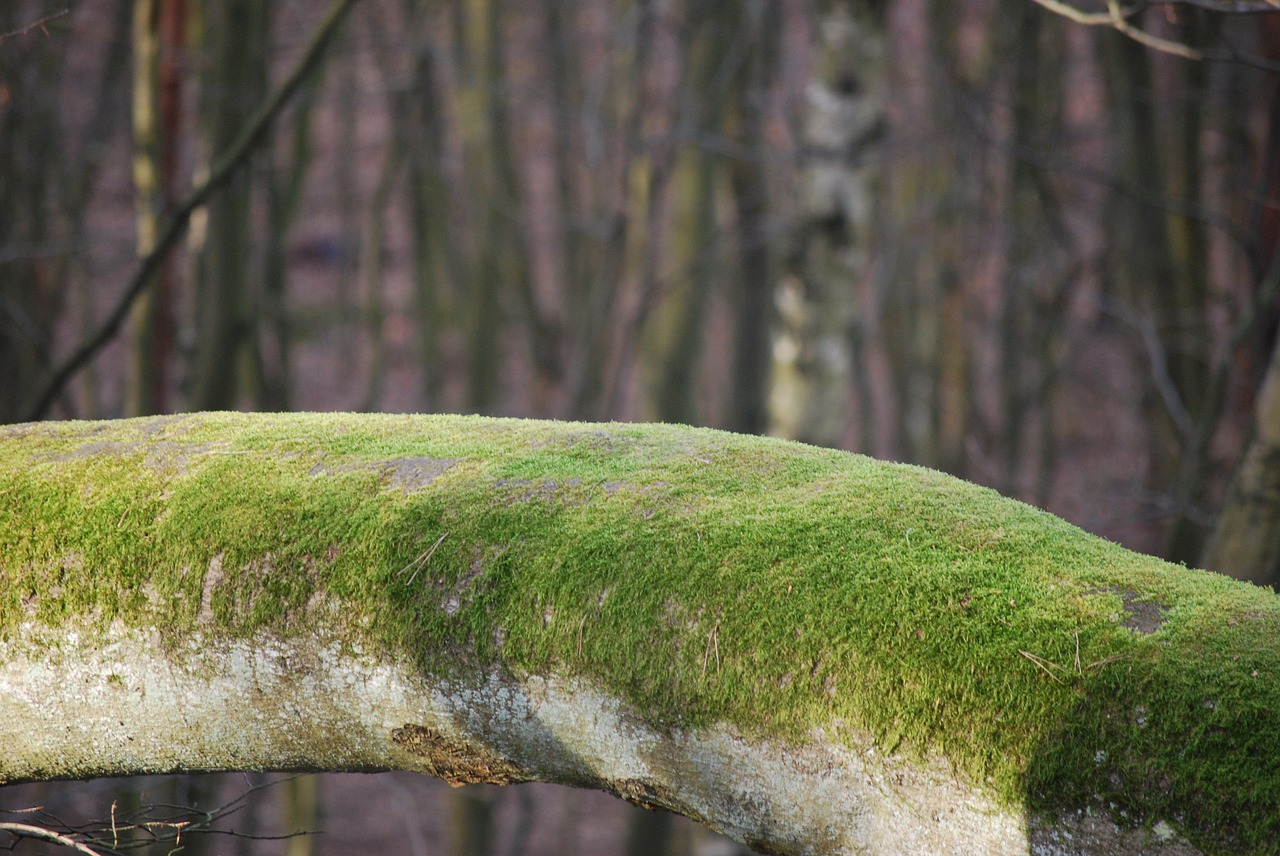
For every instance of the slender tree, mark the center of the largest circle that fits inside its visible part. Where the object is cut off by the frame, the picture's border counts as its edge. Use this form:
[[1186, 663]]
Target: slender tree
[[237, 33]]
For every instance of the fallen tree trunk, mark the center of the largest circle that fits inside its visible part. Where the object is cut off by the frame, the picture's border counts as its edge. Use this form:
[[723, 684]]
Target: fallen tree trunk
[[811, 651]]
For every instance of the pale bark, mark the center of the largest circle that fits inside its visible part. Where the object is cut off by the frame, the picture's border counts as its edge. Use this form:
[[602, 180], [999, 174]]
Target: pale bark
[[408, 598], [827, 263]]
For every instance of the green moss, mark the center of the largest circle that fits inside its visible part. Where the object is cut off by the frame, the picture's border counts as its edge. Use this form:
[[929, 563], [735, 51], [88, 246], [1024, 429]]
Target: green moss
[[702, 576]]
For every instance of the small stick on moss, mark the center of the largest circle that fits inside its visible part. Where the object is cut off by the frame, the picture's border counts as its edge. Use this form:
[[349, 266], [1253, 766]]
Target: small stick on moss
[[1044, 665], [1076, 635], [421, 562], [713, 642]]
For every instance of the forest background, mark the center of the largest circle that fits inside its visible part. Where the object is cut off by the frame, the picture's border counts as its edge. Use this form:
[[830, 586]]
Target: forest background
[[970, 234]]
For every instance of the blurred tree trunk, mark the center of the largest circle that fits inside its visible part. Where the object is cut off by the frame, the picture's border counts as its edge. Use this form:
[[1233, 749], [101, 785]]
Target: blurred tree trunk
[[372, 249], [81, 180], [1158, 266], [680, 319], [931, 188], [674, 339], [159, 44], [1246, 541], [818, 298], [468, 249], [526, 55], [301, 814], [760, 28], [660, 78], [430, 202], [347, 186], [492, 277], [1039, 264], [649, 833], [632, 108], [286, 175], [31, 299], [473, 826], [1188, 338], [237, 33]]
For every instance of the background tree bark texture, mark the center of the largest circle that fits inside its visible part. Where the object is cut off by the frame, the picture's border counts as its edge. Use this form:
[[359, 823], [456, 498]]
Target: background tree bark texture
[[941, 669], [1246, 541]]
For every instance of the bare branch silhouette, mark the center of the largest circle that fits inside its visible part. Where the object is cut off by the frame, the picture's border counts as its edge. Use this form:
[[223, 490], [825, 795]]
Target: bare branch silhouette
[[40, 24], [226, 166]]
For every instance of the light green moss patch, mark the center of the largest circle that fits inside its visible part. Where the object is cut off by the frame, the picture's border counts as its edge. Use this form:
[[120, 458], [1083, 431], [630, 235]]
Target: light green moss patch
[[700, 575]]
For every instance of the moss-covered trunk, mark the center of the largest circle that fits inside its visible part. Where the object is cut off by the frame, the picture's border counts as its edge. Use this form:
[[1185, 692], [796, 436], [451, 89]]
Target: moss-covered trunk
[[812, 651]]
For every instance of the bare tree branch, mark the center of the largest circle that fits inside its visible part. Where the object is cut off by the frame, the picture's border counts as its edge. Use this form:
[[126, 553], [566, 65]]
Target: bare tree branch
[[26, 830], [33, 25], [1089, 19], [1118, 17], [227, 165], [1227, 7]]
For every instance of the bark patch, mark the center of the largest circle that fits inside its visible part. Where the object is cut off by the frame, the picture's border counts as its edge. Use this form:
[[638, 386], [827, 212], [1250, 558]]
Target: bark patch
[[407, 474], [1144, 616], [457, 760]]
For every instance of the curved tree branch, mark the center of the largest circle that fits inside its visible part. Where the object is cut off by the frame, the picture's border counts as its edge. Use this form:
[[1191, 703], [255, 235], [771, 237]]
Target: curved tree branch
[[808, 650], [226, 166], [1118, 17], [27, 830], [42, 24]]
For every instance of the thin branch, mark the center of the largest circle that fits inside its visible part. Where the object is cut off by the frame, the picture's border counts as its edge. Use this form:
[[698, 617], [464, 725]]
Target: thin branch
[[1142, 37], [1227, 7], [1159, 360], [29, 27], [26, 830], [1117, 17], [421, 562], [1107, 18], [1088, 19], [227, 165]]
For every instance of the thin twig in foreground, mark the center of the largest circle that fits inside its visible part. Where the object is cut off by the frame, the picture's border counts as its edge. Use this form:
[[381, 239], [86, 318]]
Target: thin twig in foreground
[[26, 830], [29, 27]]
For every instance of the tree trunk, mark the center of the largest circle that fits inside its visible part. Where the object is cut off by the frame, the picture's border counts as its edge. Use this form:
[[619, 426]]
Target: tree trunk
[[827, 260], [1246, 541], [811, 651], [159, 44], [237, 32], [31, 290], [753, 295]]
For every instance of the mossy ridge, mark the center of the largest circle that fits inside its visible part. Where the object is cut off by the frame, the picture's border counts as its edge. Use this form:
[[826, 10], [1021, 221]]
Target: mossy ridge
[[701, 575]]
